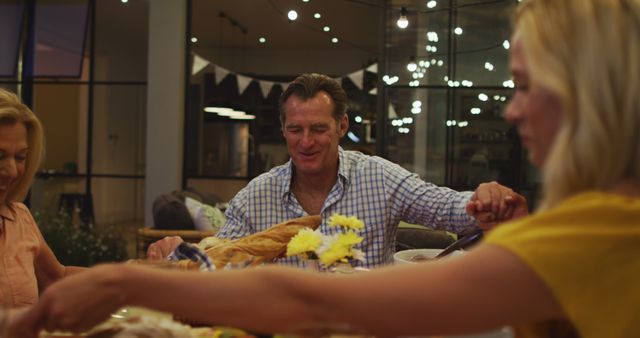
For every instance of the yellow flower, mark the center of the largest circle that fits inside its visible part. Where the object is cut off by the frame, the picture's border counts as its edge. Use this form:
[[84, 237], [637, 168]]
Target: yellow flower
[[305, 241], [338, 248], [351, 222]]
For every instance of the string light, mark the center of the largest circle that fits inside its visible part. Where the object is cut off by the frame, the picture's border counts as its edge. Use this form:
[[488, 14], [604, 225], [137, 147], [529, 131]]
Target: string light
[[403, 22], [508, 84], [317, 16], [412, 66], [262, 40], [326, 28], [292, 15], [334, 40], [458, 31], [432, 4], [194, 39], [506, 44]]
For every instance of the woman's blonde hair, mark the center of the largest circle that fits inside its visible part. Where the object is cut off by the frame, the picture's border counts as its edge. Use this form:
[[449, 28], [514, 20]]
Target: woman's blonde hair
[[588, 53], [12, 111]]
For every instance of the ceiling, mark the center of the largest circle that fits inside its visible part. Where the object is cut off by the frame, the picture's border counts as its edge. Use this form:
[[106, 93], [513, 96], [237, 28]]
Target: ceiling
[[353, 22]]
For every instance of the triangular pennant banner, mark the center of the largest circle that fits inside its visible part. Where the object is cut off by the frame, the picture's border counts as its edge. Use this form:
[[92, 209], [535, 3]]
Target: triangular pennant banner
[[198, 64], [392, 112], [265, 87], [374, 91], [243, 83], [221, 73], [357, 78], [373, 68]]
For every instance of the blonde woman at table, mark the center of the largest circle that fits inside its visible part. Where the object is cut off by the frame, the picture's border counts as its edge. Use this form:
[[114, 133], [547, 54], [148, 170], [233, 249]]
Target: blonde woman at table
[[28, 265], [570, 269]]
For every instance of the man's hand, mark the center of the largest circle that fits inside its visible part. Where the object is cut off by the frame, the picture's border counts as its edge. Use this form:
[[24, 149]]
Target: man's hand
[[493, 203], [162, 248]]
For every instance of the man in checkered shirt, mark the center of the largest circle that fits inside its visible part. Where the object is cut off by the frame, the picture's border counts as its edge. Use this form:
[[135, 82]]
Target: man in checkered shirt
[[322, 178]]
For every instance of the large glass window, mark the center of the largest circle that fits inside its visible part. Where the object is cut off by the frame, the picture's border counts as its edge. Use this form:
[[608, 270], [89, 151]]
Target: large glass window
[[447, 84], [10, 28], [59, 37], [84, 74], [243, 59]]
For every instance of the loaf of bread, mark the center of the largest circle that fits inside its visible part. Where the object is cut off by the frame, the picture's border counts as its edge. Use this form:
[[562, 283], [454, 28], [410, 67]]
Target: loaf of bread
[[257, 248]]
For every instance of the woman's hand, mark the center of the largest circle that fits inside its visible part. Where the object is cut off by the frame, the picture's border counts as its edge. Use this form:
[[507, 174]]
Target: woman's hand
[[77, 303], [493, 203]]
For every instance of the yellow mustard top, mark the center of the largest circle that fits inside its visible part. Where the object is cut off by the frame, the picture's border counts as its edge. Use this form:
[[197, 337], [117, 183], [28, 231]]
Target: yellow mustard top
[[587, 251]]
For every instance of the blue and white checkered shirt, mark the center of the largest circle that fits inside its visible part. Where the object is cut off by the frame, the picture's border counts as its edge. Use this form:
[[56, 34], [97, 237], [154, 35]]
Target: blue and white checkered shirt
[[375, 190]]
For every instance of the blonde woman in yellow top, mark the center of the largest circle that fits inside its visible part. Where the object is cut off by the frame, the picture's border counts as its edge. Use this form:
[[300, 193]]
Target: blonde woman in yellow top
[[571, 269]]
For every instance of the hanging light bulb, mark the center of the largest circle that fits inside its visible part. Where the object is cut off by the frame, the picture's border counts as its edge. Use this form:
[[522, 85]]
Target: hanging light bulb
[[412, 66], [292, 15], [403, 22]]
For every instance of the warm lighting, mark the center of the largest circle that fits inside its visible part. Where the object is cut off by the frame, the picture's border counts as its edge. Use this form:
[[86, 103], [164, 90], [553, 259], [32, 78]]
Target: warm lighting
[[488, 66], [326, 28], [317, 16], [243, 117], [217, 110], [412, 66], [194, 39], [353, 137], [292, 15], [403, 22], [334, 40], [262, 40]]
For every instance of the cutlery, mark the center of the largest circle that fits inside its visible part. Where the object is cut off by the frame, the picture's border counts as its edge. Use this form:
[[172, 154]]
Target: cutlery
[[462, 243]]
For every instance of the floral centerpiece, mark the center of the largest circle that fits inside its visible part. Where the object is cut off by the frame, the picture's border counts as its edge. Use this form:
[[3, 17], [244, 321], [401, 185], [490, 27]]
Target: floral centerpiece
[[329, 250]]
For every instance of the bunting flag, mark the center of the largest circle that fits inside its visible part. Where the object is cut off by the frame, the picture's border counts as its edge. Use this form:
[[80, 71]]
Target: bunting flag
[[357, 78], [265, 87], [198, 64], [221, 73], [243, 82], [374, 91], [392, 112]]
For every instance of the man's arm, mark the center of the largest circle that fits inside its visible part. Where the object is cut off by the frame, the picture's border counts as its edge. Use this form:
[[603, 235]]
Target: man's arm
[[439, 207]]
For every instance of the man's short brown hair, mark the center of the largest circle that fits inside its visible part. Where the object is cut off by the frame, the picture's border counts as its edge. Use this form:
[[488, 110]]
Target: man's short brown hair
[[306, 86]]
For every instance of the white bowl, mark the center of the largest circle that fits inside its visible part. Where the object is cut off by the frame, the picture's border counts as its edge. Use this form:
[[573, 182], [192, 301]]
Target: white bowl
[[414, 255]]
